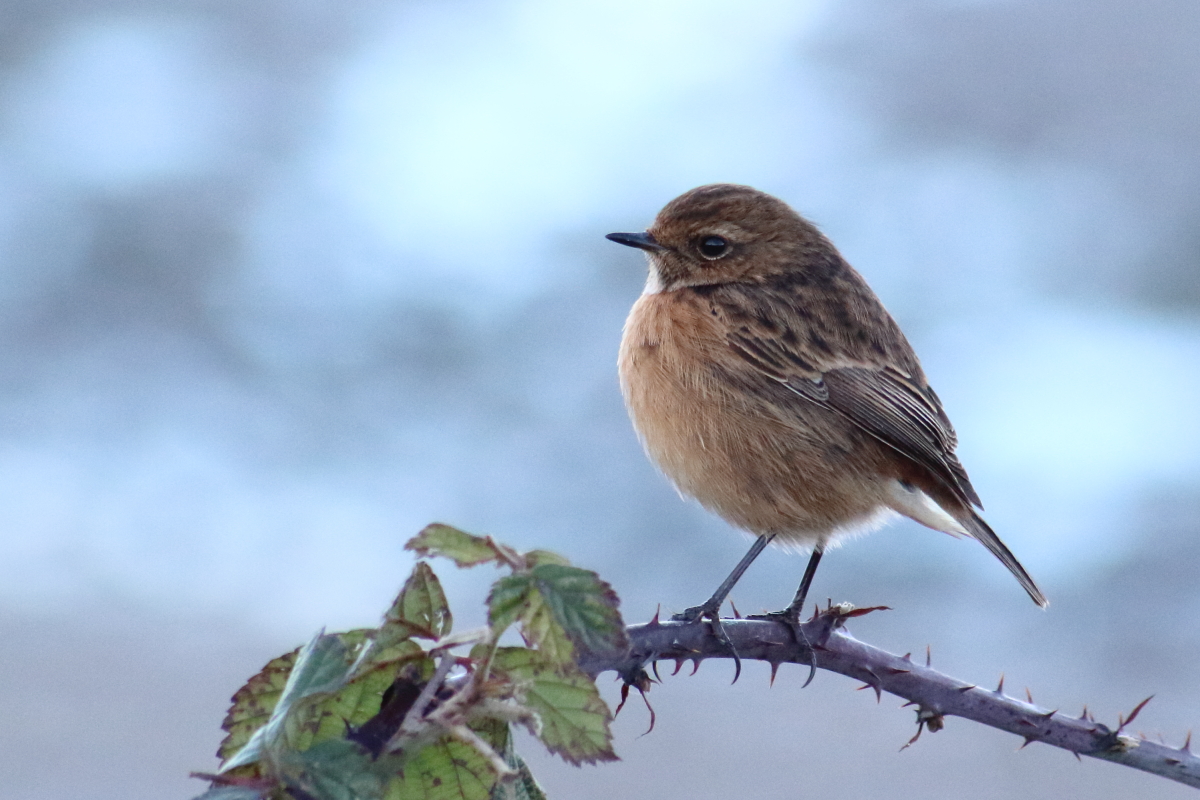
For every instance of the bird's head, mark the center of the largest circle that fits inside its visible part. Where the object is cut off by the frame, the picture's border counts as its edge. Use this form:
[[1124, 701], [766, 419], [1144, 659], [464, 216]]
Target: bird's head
[[725, 233]]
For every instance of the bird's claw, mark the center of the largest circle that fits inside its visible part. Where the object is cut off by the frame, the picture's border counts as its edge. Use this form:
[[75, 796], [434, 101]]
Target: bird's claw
[[713, 615], [705, 611], [790, 617]]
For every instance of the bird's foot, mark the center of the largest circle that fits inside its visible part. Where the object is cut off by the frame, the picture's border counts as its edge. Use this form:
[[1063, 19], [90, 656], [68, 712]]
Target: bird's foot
[[790, 616], [712, 612], [706, 611]]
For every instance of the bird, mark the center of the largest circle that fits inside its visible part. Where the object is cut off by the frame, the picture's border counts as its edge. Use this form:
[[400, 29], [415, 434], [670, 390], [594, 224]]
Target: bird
[[766, 380]]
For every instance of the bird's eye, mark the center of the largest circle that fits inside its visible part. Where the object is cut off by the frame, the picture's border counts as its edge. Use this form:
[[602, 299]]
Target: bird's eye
[[713, 247]]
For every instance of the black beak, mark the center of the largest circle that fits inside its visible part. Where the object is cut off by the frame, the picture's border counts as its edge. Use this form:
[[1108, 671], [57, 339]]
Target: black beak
[[642, 241]]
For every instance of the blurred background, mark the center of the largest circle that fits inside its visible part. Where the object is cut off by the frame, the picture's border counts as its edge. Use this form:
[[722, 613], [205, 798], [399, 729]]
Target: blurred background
[[281, 282]]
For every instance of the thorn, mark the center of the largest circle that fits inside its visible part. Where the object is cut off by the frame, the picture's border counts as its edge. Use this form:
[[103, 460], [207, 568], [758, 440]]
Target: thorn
[[1172, 761], [877, 685], [736, 613], [967, 688], [654, 623], [1028, 739], [1187, 744], [649, 708], [908, 656], [1048, 714], [1133, 714], [862, 612], [1000, 687], [812, 673], [1084, 715], [624, 697], [640, 681], [917, 735], [679, 662], [909, 703], [910, 742], [1028, 696], [1077, 758], [774, 669], [897, 671], [1026, 722], [695, 666], [654, 666], [928, 656], [878, 694]]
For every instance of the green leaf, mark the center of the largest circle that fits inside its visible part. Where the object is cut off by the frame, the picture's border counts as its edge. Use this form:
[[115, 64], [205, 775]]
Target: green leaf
[[384, 654], [535, 557], [253, 703], [575, 721], [360, 699], [541, 628], [321, 668], [334, 770], [516, 598], [354, 704], [562, 610], [322, 718], [493, 731], [463, 548], [524, 787], [420, 609], [317, 702], [584, 605], [444, 770], [508, 600]]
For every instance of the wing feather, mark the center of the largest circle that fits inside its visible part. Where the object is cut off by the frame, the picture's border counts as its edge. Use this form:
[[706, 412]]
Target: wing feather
[[894, 407]]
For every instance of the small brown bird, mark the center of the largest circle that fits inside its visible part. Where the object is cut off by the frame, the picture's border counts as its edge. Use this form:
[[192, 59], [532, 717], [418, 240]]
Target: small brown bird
[[767, 381]]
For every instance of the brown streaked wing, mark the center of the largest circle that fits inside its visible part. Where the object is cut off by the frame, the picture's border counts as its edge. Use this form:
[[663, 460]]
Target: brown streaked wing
[[776, 360], [890, 407], [882, 401]]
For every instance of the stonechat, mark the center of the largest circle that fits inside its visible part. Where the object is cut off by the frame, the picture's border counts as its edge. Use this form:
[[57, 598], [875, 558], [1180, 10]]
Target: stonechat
[[766, 379]]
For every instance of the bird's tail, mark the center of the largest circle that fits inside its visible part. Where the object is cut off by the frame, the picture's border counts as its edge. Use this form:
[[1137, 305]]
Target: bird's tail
[[980, 530]]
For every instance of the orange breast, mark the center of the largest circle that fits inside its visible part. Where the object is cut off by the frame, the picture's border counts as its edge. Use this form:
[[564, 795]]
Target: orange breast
[[762, 468], [666, 378]]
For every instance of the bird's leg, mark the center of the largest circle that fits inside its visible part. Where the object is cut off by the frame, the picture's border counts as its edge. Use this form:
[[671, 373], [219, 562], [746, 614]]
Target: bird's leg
[[791, 614], [711, 608], [796, 608]]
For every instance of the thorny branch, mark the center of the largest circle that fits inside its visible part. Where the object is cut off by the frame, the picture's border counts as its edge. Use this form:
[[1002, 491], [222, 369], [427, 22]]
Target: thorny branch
[[934, 694]]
